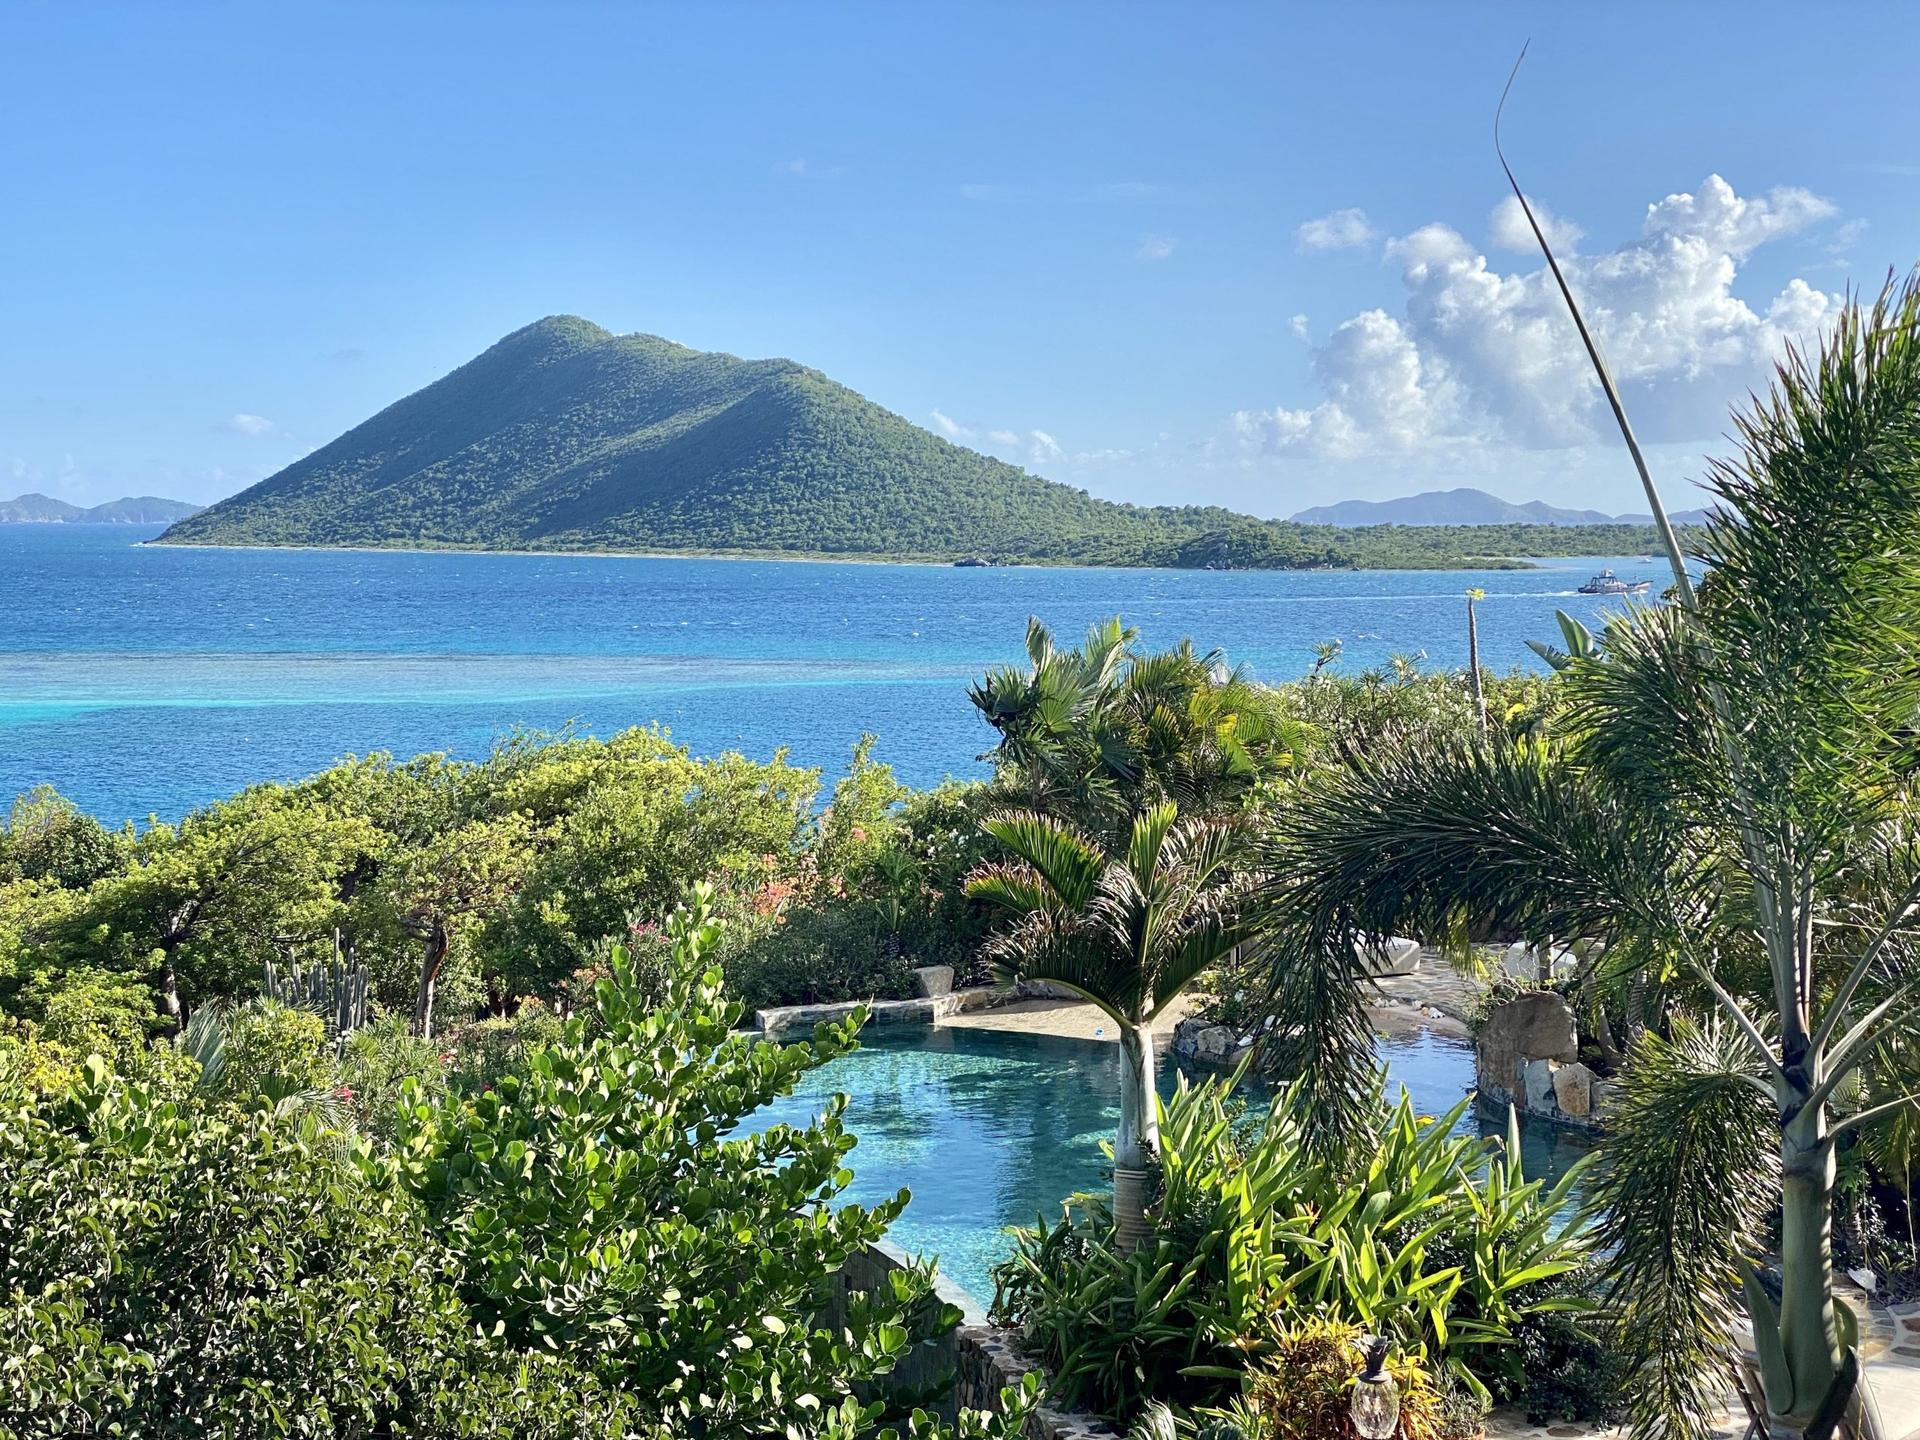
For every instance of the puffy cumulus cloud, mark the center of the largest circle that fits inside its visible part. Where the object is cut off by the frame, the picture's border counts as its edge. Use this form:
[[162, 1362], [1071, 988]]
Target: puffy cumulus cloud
[[1156, 247], [1482, 358], [1382, 393], [1508, 228], [1299, 327], [254, 426], [1347, 229], [950, 427]]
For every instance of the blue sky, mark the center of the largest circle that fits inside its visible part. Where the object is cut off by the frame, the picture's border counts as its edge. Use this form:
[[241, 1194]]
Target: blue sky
[[1198, 253]]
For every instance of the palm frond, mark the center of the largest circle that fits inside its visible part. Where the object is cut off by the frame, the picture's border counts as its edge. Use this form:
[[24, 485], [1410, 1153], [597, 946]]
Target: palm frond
[[1066, 861], [1688, 1175]]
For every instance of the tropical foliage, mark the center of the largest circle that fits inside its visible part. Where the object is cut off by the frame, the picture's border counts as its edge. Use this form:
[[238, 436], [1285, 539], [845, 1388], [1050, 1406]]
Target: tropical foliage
[[594, 1243], [1128, 931], [1723, 816], [1435, 1239], [1099, 733]]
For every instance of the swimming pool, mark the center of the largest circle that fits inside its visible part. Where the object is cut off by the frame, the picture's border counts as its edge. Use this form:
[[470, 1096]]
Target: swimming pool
[[989, 1128]]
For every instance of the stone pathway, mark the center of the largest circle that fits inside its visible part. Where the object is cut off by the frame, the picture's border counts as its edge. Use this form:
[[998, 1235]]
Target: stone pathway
[[1074, 1019]]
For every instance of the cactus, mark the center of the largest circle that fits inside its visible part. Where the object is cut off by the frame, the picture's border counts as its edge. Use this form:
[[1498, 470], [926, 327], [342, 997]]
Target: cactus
[[334, 990]]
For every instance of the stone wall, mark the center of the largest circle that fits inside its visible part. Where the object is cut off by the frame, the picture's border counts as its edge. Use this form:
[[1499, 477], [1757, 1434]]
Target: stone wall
[[1527, 1054], [982, 1358]]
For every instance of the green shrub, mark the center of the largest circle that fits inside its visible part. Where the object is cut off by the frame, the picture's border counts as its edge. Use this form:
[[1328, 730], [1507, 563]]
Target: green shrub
[[172, 1270], [95, 1010], [275, 1051], [804, 956], [1434, 1240], [476, 1056], [606, 1202], [1565, 1371], [377, 1061]]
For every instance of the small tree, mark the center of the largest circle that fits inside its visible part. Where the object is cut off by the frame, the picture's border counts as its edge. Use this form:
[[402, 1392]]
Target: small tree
[[1128, 931]]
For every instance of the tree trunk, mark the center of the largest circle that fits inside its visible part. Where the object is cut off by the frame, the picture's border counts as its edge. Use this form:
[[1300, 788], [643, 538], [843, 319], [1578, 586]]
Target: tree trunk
[[1808, 1332], [1473, 665], [433, 956], [170, 992], [1137, 1144]]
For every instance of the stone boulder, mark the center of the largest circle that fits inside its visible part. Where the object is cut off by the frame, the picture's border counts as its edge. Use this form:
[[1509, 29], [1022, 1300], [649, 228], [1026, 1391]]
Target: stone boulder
[[1213, 1044], [1573, 1090], [1395, 955], [1538, 1078], [932, 981], [1535, 1026]]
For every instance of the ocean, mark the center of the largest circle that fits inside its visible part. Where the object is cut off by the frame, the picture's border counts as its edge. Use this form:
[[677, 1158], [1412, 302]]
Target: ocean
[[146, 680]]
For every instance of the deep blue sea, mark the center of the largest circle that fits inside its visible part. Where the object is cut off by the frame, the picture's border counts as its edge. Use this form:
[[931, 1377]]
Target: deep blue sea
[[147, 680]]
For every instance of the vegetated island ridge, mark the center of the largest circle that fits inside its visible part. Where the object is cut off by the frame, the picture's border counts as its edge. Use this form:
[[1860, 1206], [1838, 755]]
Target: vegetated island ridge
[[37, 509], [567, 437]]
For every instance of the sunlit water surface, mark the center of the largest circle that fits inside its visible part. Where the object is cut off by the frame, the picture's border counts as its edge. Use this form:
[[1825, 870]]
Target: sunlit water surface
[[990, 1129], [147, 679]]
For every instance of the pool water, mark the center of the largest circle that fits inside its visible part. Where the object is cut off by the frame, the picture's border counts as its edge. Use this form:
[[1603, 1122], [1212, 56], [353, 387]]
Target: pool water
[[989, 1129]]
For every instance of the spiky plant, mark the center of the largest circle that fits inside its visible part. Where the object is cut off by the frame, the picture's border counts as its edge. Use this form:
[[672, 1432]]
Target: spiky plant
[[1128, 931]]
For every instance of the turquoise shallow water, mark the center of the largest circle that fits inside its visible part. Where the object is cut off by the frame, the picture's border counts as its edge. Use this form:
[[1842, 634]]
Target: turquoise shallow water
[[150, 679], [989, 1129]]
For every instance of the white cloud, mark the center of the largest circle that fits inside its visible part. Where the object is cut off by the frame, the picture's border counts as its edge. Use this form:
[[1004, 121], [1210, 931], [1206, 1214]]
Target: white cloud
[[1298, 325], [1480, 360], [1347, 229], [1510, 230], [1846, 235], [1030, 447], [254, 426], [805, 169], [1156, 247]]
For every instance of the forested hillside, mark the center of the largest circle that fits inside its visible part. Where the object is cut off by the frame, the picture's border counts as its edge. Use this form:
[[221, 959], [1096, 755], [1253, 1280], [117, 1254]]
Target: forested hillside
[[564, 436]]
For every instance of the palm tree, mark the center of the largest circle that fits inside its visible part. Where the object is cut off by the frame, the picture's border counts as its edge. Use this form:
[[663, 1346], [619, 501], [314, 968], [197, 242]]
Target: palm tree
[[1103, 732], [1127, 931], [1475, 593], [1725, 810]]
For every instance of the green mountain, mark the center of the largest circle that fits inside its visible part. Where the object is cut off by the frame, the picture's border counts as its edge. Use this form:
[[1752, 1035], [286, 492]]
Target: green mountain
[[131, 510], [564, 436]]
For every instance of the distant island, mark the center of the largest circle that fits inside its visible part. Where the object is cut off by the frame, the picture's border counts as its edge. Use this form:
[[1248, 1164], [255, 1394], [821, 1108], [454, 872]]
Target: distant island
[[1471, 507], [567, 437], [129, 510]]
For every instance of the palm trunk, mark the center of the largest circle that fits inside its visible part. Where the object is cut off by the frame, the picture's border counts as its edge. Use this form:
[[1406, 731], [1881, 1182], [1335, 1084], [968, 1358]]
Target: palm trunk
[[1808, 1331], [1138, 1141], [1473, 667]]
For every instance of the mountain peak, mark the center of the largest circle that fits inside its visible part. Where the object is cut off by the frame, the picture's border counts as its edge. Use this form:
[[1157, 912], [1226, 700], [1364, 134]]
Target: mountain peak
[[563, 435], [1467, 506]]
